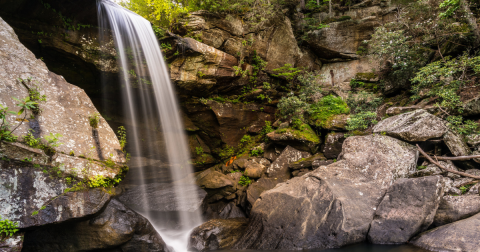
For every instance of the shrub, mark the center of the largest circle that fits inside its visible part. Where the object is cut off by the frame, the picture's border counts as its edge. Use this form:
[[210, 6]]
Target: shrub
[[327, 107]]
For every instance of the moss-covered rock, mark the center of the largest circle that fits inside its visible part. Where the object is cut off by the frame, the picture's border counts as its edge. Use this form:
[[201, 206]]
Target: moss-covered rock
[[303, 138]]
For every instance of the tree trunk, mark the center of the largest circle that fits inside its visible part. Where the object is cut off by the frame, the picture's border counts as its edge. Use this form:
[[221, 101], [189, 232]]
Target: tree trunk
[[302, 5], [318, 2], [330, 8], [472, 21]]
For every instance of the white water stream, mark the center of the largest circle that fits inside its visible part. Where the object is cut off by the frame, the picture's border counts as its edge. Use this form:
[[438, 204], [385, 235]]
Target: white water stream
[[141, 62]]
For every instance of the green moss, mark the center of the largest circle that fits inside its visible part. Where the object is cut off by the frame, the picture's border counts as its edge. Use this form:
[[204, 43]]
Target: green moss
[[304, 132], [323, 111]]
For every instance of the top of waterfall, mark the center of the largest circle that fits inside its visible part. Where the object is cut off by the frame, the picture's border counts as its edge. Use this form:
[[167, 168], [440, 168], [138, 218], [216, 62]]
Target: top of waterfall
[[114, 4]]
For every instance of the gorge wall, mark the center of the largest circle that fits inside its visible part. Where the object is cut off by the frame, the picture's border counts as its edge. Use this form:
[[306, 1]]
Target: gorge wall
[[267, 181]]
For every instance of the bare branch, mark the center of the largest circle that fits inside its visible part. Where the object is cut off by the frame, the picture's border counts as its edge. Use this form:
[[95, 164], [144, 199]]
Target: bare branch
[[443, 167]]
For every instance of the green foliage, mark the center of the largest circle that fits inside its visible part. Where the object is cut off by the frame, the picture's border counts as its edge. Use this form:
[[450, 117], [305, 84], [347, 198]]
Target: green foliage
[[417, 35], [8, 228], [160, 12], [25, 105], [266, 86], [258, 64], [301, 131], [226, 152], [287, 72], [266, 129], [52, 140], [245, 139], [122, 133], [421, 167], [94, 120], [166, 46], [110, 163], [199, 150], [31, 141], [256, 152], [5, 133], [465, 188], [296, 106], [101, 181], [362, 120], [443, 78], [356, 83], [245, 181], [457, 124], [364, 107], [451, 6], [327, 107]]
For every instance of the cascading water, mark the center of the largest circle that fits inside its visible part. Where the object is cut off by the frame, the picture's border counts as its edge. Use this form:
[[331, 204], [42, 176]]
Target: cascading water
[[143, 68]]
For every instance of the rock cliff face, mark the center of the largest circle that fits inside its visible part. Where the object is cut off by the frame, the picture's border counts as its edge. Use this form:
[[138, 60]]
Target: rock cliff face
[[34, 183], [266, 182]]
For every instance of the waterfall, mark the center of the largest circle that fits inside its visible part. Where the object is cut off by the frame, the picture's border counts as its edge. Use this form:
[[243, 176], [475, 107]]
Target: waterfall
[[149, 99]]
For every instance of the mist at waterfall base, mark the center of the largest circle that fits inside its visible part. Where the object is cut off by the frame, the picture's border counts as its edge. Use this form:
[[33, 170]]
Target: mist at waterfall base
[[152, 113]]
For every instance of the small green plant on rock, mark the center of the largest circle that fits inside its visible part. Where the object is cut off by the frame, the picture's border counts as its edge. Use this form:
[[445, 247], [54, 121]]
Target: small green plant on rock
[[31, 141], [244, 180], [122, 133], [8, 228], [53, 140], [94, 120], [199, 150], [256, 152]]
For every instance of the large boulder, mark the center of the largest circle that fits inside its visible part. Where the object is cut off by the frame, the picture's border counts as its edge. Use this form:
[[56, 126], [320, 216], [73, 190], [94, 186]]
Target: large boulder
[[278, 170], [334, 205], [415, 126], [116, 227], [217, 185], [217, 234], [67, 108], [458, 236], [407, 209], [455, 208]]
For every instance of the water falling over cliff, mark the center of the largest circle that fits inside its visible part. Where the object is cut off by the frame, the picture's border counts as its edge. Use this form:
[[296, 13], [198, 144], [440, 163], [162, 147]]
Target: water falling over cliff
[[150, 100]]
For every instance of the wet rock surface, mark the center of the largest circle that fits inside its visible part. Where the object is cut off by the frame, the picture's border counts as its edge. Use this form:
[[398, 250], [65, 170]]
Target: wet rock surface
[[217, 234], [408, 208], [116, 226], [332, 206]]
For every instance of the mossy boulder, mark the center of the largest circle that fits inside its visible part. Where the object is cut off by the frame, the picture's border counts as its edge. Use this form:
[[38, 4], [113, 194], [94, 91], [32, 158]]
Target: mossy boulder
[[301, 138]]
